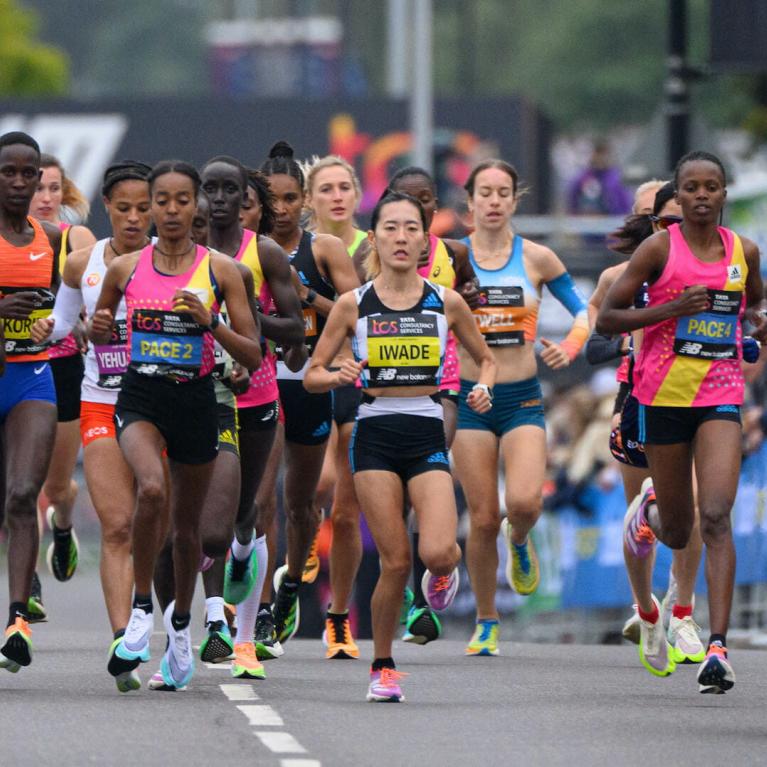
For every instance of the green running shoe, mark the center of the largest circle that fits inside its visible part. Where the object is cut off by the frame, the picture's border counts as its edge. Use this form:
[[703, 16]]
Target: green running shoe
[[239, 577], [422, 626], [217, 646], [35, 607], [63, 554], [407, 603], [17, 650], [484, 640], [126, 678], [522, 570], [267, 646], [286, 609]]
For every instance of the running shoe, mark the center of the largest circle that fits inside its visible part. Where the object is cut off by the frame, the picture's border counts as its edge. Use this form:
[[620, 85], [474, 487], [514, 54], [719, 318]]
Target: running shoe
[[177, 666], [245, 664], [630, 629], [484, 641], [523, 573], [127, 678], [267, 645], [230, 613], [338, 638], [134, 643], [35, 607], [206, 563], [286, 609], [157, 682], [407, 602], [422, 626], [715, 674], [686, 646], [440, 590], [384, 686], [637, 534], [240, 577], [654, 649], [312, 564], [64, 552], [217, 646], [17, 650], [670, 598]]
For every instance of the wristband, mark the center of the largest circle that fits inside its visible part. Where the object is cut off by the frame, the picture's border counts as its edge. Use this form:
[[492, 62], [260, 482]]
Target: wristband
[[215, 321], [311, 294], [485, 388], [751, 349]]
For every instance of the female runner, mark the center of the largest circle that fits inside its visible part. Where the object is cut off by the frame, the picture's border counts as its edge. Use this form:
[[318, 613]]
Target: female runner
[[512, 272], [398, 324]]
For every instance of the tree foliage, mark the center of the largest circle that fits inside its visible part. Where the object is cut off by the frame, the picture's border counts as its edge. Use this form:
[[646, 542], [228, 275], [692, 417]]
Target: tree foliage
[[27, 66]]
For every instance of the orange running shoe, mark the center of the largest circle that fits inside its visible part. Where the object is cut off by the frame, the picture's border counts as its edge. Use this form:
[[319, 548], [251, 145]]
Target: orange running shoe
[[245, 664], [338, 638]]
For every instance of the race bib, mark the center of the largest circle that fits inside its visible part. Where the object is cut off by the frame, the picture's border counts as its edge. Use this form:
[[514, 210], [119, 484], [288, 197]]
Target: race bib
[[403, 350], [17, 332], [166, 343], [112, 358], [711, 335], [499, 315]]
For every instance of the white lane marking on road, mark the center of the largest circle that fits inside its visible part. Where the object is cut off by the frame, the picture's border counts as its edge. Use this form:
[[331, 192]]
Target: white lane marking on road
[[262, 716], [238, 691], [280, 742], [222, 666], [300, 763]]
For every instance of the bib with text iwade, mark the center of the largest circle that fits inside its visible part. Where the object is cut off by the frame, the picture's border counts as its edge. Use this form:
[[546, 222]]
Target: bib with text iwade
[[711, 335], [403, 350], [499, 315]]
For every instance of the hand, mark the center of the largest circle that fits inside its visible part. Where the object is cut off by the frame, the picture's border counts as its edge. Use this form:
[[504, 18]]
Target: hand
[[554, 355], [101, 323], [758, 319], [80, 334], [295, 357], [18, 306], [693, 300], [479, 400], [239, 380], [469, 291], [41, 329], [300, 288], [349, 371], [188, 302]]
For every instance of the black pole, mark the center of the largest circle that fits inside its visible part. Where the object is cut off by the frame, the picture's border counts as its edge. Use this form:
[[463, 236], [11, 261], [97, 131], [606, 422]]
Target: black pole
[[677, 102]]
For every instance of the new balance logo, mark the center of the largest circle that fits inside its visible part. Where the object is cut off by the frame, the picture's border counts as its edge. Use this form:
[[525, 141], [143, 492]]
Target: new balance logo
[[387, 374], [322, 429], [437, 458], [432, 302]]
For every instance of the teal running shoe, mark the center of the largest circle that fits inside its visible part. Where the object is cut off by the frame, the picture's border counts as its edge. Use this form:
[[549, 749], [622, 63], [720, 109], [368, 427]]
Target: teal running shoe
[[407, 603], [422, 626]]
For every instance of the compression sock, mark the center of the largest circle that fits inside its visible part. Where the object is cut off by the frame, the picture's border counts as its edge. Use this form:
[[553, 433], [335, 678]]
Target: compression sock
[[247, 611], [242, 551], [214, 609]]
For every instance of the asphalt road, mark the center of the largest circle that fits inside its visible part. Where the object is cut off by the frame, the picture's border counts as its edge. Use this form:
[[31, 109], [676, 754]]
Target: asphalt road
[[533, 705]]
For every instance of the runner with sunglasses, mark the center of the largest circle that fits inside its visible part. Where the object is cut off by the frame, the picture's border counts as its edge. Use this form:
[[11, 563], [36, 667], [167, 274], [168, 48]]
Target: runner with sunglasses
[[703, 281]]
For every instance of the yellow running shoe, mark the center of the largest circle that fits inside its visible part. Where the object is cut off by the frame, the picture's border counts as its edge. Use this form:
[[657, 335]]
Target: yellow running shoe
[[338, 637], [17, 650], [245, 664], [522, 570], [484, 641]]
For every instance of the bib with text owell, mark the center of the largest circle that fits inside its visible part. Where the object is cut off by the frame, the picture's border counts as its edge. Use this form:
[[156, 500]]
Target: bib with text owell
[[711, 335], [499, 315], [166, 344], [403, 350], [112, 358], [17, 332]]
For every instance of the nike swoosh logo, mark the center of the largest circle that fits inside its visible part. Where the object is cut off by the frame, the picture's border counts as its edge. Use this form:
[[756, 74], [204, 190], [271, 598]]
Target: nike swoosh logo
[[119, 421], [39, 370], [268, 416], [36, 256]]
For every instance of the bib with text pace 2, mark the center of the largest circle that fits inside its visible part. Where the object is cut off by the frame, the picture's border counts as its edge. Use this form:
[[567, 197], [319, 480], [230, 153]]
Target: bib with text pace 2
[[711, 335], [498, 315], [403, 350], [166, 342]]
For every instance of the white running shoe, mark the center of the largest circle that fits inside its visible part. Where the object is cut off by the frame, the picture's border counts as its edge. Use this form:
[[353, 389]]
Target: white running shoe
[[135, 640], [670, 599], [177, 665], [685, 642], [654, 649], [630, 629]]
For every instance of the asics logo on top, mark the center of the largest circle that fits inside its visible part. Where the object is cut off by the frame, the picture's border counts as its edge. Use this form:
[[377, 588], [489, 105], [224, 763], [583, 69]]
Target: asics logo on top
[[322, 429], [431, 302], [36, 256], [39, 370], [269, 415]]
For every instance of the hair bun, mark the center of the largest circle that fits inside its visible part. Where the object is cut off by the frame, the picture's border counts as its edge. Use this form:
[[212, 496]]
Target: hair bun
[[281, 149]]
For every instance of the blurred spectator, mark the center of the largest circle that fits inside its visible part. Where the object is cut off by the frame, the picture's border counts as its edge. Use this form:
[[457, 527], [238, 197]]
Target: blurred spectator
[[598, 189]]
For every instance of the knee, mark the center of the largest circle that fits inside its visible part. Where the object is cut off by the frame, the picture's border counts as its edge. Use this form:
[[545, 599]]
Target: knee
[[345, 520], [526, 507], [486, 521], [440, 561], [678, 536], [303, 515], [117, 532], [397, 566], [215, 543], [151, 493], [61, 491], [715, 522], [21, 503]]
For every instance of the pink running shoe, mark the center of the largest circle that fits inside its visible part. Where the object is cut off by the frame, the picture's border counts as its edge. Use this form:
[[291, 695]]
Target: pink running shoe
[[637, 534], [205, 563], [440, 590], [384, 686]]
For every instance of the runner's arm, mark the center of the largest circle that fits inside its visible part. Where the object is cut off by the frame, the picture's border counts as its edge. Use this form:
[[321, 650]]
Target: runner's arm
[[287, 328], [336, 264]]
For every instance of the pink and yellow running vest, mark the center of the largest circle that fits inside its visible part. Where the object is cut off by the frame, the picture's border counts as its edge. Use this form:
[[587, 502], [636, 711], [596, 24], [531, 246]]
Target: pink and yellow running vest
[[695, 361]]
